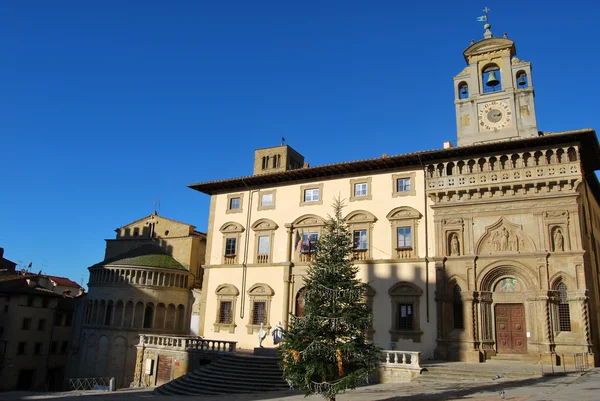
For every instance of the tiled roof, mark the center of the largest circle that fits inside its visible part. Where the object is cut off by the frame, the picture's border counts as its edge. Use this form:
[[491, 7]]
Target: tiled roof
[[65, 282], [412, 159], [144, 256]]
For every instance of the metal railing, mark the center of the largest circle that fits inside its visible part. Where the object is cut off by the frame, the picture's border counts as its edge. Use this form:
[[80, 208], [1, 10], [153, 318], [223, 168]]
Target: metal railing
[[89, 383], [564, 363]]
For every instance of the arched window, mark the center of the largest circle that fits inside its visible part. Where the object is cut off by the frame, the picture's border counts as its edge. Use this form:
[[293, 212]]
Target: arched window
[[522, 80], [457, 308], [564, 314], [491, 78], [463, 90], [300, 302], [226, 299], [148, 316]]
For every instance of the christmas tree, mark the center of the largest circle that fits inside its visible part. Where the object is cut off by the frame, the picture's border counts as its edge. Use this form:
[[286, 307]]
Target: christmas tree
[[326, 350]]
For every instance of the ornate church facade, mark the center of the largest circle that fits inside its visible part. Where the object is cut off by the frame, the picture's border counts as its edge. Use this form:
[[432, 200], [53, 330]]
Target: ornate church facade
[[490, 247]]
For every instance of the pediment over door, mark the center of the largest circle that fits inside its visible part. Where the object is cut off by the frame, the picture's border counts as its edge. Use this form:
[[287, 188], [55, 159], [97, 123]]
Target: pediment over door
[[504, 237]]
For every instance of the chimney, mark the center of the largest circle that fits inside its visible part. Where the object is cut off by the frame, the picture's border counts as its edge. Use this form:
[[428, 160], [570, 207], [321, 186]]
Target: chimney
[[448, 145], [1, 253]]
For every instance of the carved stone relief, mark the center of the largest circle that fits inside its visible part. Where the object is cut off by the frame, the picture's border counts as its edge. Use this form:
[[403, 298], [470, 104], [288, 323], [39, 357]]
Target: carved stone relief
[[504, 236], [453, 245]]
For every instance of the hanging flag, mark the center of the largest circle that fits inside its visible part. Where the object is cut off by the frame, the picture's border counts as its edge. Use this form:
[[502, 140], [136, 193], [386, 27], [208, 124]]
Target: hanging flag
[[298, 240], [483, 18], [308, 243]]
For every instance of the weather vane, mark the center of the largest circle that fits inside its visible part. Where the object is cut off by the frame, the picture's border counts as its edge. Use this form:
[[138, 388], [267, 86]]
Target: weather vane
[[484, 18]]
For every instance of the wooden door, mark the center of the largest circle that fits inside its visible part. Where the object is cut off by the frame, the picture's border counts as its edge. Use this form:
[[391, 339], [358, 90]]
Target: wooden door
[[511, 337], [163, 374]]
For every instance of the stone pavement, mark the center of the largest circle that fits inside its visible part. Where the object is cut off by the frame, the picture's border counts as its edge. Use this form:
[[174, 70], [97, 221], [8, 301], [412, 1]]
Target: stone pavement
[[571, 387]]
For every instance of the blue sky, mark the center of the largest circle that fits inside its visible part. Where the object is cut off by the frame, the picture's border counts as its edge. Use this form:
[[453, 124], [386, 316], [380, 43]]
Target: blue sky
[[106, 105]]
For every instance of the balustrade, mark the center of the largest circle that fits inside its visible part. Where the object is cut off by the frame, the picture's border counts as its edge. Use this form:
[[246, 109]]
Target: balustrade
[[187, 343], [262, 259], [408, 359]]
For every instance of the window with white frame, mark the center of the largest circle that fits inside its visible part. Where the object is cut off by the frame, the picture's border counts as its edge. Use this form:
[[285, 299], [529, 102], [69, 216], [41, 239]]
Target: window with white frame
[[360, 189], [404, 221], [235, 203], [266, 199], [264, 230], [311, 194], [260, 296], [227, 295], [361, 223], [404, 238], [264, 247], [360, 240], [403, 184]]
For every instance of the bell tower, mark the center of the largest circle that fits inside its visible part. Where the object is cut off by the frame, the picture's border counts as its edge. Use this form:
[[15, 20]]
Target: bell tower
[[494, 94]]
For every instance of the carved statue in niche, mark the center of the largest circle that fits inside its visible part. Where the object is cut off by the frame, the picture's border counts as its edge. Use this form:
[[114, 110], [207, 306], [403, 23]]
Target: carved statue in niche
[[454, 245], [558, 240]]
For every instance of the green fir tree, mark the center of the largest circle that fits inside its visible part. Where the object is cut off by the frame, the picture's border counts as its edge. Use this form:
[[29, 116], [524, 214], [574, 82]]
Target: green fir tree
[[326, 351]]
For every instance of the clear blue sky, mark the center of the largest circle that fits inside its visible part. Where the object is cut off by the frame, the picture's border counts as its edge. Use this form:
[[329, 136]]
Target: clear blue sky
[[105, 105]]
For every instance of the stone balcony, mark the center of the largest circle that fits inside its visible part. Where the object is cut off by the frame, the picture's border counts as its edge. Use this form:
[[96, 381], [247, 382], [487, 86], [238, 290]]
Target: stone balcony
[[543, 171]]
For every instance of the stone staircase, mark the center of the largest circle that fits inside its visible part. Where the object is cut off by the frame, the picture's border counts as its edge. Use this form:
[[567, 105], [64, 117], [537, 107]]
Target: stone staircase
[[464, 373], [229, 374]]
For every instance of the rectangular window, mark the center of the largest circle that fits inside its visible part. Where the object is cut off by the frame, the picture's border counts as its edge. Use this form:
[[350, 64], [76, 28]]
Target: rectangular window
[[21, 348], [403, 185], [230, 246], [69, 320], [57, 319], [44, 302], [266, 200], [259, 312], [309, 242], [235, 203], [405, 317], [404, 238], [30, 301], [360, 239], [263, 245], [53, 347], [38, 349], [26, 324], [42, 324], [225, 312], [311, 195], [64, 347], [360, 189]]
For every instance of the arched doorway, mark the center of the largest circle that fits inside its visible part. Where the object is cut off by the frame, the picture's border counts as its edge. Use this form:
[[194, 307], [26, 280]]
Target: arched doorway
[[504, 310]]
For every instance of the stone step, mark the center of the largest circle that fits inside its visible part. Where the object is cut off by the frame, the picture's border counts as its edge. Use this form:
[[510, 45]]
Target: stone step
[[231, 374]]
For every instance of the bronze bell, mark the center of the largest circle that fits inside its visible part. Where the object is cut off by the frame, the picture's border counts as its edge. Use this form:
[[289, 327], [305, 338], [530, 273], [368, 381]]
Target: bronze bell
[[463, 90], [521, 80], [492, 80]]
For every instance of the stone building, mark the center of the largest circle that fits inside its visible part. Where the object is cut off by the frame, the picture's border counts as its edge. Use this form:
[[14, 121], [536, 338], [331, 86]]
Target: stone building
[[488, 247], [35, 333], [145, 284]]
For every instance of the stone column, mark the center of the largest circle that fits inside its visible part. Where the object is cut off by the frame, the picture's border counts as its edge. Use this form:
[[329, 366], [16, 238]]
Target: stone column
[[486, 325], [470, 301]]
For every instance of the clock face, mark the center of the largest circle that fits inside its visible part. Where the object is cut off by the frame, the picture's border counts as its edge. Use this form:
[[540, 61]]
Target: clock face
[[494, 116]]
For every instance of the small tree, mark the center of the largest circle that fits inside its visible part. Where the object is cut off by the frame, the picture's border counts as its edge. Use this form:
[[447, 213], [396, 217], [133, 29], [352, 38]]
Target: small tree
[[326, 351]]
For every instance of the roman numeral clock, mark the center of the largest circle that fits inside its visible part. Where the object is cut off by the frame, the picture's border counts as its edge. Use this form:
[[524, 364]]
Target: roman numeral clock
[[495, 115]]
